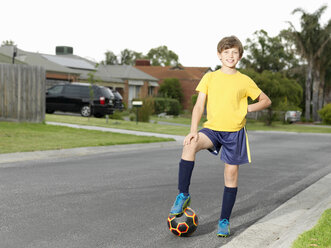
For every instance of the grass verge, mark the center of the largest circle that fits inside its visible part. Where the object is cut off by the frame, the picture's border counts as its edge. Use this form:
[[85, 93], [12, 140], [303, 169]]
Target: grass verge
[[121, 124], [24, 137], [279, 126], [318, 236], [178, 130]]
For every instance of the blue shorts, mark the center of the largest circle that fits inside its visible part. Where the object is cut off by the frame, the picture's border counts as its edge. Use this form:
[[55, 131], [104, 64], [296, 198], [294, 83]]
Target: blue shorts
[[235, 147]]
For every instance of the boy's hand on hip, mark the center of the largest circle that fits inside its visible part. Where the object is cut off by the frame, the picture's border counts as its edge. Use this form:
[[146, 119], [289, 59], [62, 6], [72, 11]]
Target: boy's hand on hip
[[191, 136]]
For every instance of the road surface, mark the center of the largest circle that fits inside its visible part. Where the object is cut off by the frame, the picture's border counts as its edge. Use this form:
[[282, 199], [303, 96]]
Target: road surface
[[122, 199]]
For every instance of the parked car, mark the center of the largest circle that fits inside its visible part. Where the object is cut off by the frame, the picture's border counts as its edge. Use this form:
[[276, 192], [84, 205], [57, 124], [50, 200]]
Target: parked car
[[118, 100], [292, 116], [76, 98]]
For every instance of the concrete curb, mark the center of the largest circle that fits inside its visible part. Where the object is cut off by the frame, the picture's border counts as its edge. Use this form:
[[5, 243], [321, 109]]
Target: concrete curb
[[81, 151], [282, 226]]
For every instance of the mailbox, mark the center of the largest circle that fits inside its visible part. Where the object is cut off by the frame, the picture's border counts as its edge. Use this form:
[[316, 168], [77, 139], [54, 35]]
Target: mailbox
[[137, 103]]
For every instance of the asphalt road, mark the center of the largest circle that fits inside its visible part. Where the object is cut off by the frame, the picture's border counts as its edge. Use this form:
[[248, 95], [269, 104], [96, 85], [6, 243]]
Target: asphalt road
[[122, 199]]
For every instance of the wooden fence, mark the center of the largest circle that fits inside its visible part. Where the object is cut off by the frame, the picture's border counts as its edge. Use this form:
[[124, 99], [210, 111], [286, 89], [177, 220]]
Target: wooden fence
[[22, 93]]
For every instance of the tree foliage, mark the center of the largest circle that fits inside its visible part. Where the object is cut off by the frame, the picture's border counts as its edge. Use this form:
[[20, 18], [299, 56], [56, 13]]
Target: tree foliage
[[325, 113], [284, 92], [171, 88], [166, 105], [162, 56], [268, 53], [129, 57], [8, 43], [159, 56], [310, 43], [110, 58]]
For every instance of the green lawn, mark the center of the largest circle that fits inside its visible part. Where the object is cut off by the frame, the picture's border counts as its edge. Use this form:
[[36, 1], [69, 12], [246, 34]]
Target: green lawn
[[279, 126], [24, 137], [180, 120], [178, 130], [130, 125], [21, 137], [318, 236]]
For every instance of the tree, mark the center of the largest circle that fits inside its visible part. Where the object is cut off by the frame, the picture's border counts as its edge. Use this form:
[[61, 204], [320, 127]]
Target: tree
[[129, 57], [284, 92], [322, 66], [325, 74], [162, 56], [8, 43], [111, 59], [171, 88], [268, 53], [310, 43], [158, 56]]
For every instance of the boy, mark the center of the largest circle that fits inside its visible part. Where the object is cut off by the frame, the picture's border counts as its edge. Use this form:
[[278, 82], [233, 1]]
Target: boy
[[227, 91]]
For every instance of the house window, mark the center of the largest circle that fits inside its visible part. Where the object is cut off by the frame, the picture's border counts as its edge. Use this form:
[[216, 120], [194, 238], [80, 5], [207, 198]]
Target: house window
[[151, 88], [151, 91]]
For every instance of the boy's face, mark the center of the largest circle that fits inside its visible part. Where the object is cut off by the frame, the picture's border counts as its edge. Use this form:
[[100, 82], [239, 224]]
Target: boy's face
[[229, 57]]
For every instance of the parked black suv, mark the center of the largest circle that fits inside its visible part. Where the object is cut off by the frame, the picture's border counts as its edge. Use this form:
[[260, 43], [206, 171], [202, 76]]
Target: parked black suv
[[118, 100], [76, 97]]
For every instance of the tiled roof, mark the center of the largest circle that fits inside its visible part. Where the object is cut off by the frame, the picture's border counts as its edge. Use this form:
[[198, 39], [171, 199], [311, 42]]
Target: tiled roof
[[182, 73], [73, 63], [100, 76], [35, 59], [8, 60], [189, 77], [125, 72]]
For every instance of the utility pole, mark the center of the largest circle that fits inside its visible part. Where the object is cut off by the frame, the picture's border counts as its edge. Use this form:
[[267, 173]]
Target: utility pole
[[14, 53]]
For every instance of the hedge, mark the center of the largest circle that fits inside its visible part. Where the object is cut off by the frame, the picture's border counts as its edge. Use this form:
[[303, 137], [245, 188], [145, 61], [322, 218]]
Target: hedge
[[325, 113], [166, 105]]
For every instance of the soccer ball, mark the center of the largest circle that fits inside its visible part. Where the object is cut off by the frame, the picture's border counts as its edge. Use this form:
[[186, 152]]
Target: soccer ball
[[184, 224]]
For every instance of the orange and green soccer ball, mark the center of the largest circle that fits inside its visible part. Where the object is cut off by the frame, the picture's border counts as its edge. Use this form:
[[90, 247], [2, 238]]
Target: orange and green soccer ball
[[184, 224]]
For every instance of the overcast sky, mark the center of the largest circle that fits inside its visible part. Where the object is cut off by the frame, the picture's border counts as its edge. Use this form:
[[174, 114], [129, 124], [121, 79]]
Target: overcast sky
[[190, 28]]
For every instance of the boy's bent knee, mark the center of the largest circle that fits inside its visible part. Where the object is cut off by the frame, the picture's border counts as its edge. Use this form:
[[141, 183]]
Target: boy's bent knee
[[189, 151], [193, 147]]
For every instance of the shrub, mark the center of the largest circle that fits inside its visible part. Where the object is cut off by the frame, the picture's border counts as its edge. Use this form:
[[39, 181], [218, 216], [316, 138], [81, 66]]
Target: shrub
[[325, 113], [117, 115], [171, 88], [146, 110], [167, 105]]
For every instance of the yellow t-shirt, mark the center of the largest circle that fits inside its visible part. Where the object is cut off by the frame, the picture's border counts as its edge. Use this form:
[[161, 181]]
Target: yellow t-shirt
[[227, 99]]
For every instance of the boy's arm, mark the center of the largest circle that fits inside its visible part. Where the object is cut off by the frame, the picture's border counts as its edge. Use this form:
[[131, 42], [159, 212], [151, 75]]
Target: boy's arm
[[263, 103], [196, 117]]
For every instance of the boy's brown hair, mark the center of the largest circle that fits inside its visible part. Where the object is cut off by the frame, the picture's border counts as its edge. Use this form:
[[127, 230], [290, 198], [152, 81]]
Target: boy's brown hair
[[230, 42]]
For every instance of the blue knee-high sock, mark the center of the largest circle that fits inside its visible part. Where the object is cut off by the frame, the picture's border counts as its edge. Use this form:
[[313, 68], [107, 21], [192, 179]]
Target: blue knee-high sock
[[184, 175], [229, 198]]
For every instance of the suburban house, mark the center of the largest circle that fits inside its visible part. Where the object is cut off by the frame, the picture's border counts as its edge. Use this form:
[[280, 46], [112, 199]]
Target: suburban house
[[55, 73], [189, 77], [66, 67], [8, 59], [130, 82]]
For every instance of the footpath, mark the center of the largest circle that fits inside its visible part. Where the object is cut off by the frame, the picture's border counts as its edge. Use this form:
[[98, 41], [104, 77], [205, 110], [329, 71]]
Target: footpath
[[276, 230], [282, 226]]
